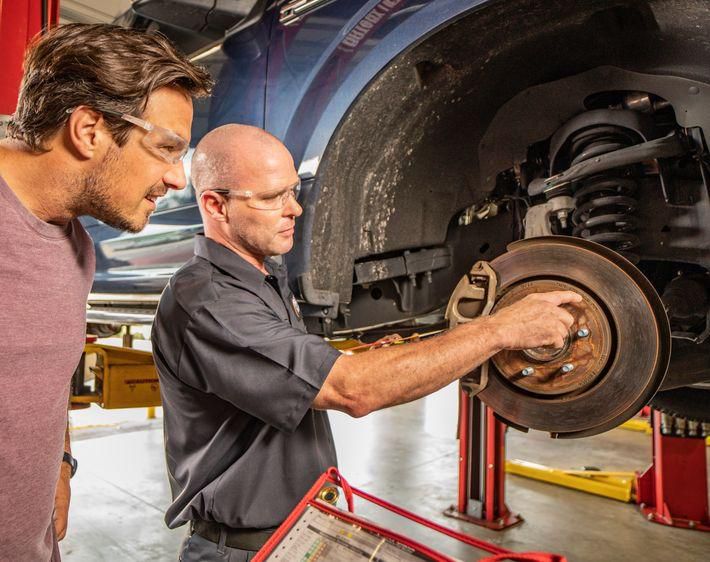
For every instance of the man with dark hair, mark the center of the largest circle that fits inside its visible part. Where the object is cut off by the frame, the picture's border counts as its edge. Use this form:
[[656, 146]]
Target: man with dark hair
[[102, 123], [245, 388]]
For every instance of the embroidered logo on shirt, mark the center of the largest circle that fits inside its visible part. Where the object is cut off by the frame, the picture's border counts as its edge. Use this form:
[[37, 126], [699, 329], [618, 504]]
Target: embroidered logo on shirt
[[296, 308]]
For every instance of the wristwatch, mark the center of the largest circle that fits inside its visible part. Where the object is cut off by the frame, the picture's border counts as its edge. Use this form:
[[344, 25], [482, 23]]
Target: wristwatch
[[71, 461]]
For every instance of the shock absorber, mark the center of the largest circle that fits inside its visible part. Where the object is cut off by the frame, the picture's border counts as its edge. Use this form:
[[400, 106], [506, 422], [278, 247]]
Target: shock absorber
[[605, 203]]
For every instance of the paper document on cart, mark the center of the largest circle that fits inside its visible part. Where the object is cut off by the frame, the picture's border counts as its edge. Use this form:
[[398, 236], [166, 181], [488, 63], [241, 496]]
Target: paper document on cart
[[318, 536]]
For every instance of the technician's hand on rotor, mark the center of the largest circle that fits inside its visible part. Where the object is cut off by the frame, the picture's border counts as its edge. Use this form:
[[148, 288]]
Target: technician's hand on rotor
[[536, 320], [62, 496]]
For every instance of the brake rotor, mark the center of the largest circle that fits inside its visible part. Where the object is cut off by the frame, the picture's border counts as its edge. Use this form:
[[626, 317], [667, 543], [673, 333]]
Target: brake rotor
[[614, 358]]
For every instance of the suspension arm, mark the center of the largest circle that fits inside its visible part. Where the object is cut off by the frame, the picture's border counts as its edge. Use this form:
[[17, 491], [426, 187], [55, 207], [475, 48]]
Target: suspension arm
[[665, 147]]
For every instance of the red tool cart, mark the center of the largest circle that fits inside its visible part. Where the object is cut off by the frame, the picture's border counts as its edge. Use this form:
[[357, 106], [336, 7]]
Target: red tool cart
[[317, 530]]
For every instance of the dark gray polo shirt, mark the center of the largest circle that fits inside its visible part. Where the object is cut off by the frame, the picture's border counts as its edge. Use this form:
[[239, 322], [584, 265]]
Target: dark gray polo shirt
[[238, 374]]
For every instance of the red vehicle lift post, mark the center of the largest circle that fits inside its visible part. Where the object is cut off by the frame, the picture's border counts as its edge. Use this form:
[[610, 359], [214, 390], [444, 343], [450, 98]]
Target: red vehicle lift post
[[674, 489], [481, 490], [20, 21]]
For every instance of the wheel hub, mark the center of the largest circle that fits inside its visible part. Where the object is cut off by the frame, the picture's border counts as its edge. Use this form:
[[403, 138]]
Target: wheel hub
[[572, 368]]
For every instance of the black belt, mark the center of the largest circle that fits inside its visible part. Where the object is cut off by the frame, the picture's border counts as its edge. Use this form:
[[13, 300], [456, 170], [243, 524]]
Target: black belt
[[243, 539]]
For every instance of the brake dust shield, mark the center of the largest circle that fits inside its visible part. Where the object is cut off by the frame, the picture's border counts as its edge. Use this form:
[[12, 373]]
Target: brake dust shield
[[616, 354]]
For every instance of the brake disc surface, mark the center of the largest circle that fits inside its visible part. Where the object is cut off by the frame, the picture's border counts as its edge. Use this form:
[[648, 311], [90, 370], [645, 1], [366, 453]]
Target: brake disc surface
[[615, 357]]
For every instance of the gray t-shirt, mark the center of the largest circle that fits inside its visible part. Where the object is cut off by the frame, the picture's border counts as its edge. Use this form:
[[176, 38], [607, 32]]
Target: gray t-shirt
[[238, 375], [46, 273]]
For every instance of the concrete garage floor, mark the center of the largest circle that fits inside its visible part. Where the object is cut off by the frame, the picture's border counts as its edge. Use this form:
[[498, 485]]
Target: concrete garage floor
[[407, 455]]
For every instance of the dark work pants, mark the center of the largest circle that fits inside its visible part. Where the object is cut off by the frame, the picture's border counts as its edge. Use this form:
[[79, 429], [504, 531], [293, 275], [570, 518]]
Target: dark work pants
[[198, 549]]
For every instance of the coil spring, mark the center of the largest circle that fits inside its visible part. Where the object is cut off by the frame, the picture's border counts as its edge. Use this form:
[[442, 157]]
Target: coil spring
[[605, 203]]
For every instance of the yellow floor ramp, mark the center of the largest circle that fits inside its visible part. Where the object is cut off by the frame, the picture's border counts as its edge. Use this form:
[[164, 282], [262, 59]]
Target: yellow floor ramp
[[615, 485]]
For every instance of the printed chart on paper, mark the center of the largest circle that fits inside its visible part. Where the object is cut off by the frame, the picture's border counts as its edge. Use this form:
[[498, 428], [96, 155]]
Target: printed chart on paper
[[318, 536]]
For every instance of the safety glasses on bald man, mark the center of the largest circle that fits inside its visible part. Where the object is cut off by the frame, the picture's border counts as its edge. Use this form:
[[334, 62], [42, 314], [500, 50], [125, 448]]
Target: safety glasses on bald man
[[272, 200]]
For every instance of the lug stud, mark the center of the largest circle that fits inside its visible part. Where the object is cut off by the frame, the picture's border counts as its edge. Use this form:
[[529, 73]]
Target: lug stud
[[583, 333], [567, 368], [527, 371]]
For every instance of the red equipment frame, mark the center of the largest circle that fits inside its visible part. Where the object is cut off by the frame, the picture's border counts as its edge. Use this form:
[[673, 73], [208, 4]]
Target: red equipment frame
[[674, 489], [20, 21], [481, 493], [332, 476]]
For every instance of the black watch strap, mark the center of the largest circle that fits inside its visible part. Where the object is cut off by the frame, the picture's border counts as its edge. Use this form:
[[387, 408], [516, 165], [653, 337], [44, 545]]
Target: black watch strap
[[71, 461]]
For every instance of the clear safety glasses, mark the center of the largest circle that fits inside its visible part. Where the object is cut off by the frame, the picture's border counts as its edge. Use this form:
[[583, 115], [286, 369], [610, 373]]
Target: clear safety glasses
[[163, 143], [273, 200], [159, 141]]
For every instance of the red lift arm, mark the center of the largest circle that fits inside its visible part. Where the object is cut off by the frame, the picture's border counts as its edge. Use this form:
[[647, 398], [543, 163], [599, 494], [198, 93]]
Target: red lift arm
[[20, 21]]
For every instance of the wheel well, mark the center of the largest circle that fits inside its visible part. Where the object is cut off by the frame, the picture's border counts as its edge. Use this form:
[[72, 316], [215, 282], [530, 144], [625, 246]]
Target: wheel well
[[405, 160]]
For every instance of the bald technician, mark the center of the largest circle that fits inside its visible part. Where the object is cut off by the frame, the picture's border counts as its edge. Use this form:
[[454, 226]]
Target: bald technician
[[245, 388]]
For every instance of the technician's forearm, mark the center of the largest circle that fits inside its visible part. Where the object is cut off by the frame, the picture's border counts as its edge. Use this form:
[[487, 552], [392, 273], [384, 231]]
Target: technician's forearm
[[395, 375]]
